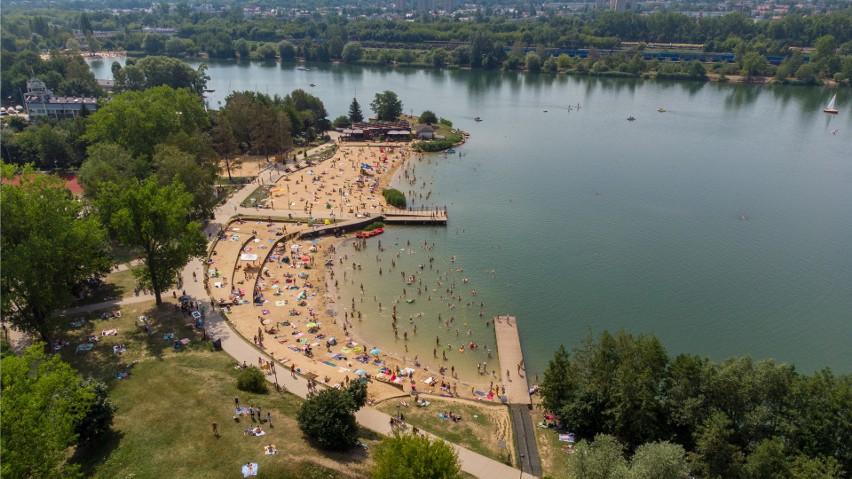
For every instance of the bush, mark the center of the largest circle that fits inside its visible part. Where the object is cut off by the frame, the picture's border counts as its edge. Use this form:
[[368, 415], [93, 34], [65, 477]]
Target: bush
[[374, 225], [428, 117], [394, 197], [408, 455], [252, 380], [445, 122], [329, 417], [434, 145]]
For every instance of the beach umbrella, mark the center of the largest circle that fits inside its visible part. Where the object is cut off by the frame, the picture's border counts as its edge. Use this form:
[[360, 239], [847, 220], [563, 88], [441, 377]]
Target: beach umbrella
[[311, 325], [374, 351], [360, 372]]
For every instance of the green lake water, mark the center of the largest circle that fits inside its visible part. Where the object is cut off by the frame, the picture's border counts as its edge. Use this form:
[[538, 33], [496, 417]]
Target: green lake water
[[576, 221]]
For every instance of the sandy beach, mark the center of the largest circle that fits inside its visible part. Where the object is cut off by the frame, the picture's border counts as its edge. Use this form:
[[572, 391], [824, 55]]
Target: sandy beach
[[289, 304]]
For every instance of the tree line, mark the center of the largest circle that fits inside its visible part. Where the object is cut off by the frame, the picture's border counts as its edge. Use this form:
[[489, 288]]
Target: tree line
[[735, 418]]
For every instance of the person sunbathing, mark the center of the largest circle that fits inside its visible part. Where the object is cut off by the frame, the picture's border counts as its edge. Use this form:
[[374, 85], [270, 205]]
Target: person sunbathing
[[257, 431], [270, 449]]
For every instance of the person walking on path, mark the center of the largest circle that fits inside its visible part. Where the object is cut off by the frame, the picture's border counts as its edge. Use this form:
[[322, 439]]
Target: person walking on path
[[293, 370], [269, 418], [236, 401]]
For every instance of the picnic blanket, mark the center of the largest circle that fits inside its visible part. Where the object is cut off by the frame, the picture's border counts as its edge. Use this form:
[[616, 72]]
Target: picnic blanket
[[280, 303], [85, 347], [109, 332]]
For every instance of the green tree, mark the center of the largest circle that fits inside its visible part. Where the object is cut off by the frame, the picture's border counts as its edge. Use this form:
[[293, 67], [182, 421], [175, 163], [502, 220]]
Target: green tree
[[753, 64], [171, 162], [140, 120], [387, 106], [602, 458], [99, 417], [659, 460], [252, 380], [49, 247], [355, 115], [341, 121], [224, 142], [329, 417], [286, 51], [154, 219], [414, 456], [110, 163], [717, 456], [47, 401], [532, 62], [154, 71], [352, 52], [428, 117]]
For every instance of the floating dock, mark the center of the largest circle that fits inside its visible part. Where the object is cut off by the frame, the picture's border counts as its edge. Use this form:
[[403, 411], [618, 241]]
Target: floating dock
[[509, 352]]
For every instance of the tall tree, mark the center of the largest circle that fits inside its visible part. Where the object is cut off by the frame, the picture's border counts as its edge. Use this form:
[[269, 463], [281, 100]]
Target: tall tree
[[110, 163], [387, 106], [47, 401], [409, 455], [222, 136], [355, 115], [140, 120], [49, 247], [170, 163], [602, 458], [154, 219], [659, 460]]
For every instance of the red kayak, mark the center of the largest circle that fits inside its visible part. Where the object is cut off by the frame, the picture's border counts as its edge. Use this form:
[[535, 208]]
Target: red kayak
[[369, 234]]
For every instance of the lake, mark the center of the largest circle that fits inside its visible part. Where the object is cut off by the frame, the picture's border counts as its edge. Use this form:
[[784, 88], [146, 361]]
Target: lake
[[722, 226]]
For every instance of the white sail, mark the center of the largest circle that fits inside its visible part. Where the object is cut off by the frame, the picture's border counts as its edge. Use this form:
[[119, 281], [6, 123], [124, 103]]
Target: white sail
[[832, 104]]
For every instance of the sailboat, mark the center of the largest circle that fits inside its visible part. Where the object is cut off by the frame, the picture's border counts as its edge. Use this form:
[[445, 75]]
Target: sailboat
[[832, 105]]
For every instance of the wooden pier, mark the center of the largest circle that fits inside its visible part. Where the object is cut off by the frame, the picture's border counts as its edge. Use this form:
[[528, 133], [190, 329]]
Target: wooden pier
[[510, 355]]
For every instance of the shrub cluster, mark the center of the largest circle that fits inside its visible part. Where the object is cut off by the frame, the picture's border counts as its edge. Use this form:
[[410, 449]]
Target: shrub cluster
[[394, 197], [251, 379]]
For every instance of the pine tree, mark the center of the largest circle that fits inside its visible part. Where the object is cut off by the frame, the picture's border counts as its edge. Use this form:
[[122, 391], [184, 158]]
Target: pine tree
[[355, 115]]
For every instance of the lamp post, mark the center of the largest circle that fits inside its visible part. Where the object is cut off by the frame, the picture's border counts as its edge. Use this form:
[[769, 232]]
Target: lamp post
[[521, 475]]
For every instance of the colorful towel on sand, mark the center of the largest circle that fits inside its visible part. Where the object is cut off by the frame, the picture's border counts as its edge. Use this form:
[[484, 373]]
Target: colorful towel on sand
[[330, 364]]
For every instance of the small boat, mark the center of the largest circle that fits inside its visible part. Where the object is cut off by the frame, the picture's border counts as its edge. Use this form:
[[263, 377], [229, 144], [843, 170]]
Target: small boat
[[369, 234], [451, 150], [313, 84], [832, 105], [631, 118], [302, 68], [661, 109], [210, 90], [477, 119]]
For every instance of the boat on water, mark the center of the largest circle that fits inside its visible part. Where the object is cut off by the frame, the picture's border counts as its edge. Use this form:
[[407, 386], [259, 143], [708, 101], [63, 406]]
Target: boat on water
[[661, 109], [313, 84], [369, 234], [451, 150], [210, 90], [477, 119], [631, 118], [302, 68], [832, 105]]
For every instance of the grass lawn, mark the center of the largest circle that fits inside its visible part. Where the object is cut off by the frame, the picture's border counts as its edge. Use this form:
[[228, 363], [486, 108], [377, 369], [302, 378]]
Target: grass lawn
[[551, 450], [115, 285], [166, 407], [482, 425], [258, 194]]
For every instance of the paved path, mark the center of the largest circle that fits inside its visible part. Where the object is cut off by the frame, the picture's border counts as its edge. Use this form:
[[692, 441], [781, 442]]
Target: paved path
[[524, 433]]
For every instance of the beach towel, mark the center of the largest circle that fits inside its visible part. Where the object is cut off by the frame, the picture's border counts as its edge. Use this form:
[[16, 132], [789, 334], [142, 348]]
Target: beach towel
[[168, 336], [250, 469], [566, 437], [265, 311], [330, 364], [85, 347], [184, 341], [261, 433], [109, 332]]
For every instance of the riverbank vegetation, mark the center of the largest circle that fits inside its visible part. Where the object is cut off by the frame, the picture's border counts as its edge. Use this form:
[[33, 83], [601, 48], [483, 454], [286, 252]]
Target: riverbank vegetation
[[735, 418], [646, 45]]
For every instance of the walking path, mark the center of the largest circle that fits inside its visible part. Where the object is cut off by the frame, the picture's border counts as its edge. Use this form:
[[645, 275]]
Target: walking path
[[511, 360]]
